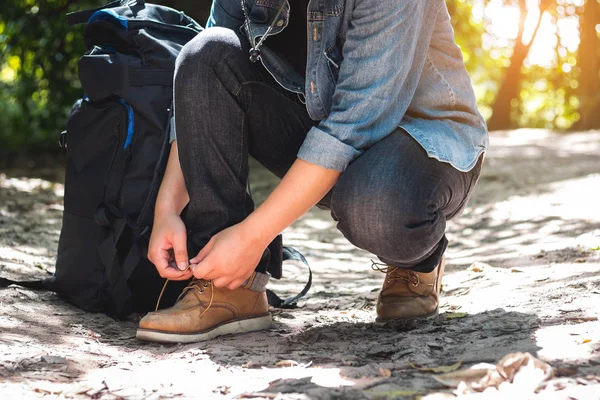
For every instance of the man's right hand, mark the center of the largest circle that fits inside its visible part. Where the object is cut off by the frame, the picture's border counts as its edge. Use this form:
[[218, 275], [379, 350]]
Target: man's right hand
[[168, 238]]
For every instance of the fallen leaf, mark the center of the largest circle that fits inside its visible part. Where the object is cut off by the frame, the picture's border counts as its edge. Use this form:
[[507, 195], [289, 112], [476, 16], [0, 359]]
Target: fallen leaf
[[443, 368], [580, 260], [386, 373], [585, 341], [478, 267], [472, 374], [456, 315], [520, 369], [515, 270], [286, 363]]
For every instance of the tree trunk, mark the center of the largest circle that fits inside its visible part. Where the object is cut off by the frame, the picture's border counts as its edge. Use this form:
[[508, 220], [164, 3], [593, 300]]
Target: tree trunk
[[589, 64], [511, 84]]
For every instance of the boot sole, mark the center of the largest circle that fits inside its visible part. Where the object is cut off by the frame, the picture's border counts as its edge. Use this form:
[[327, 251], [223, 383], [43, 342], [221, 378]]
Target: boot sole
[[233, 327]]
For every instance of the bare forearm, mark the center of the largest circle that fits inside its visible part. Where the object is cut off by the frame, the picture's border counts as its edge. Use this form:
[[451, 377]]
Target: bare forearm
[[172, 195], [299, 190]]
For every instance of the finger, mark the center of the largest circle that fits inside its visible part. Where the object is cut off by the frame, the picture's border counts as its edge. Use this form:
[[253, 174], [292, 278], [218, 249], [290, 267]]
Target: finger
[[202, 271], [175, 274], [159, 257], [222, 281], [204, 252], [180, 250], [236, 283]]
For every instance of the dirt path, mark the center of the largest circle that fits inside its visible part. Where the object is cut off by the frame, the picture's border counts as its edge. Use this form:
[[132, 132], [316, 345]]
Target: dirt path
[[523, 275]]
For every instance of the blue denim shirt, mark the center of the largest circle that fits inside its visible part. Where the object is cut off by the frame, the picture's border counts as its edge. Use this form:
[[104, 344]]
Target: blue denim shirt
[[372, 66]]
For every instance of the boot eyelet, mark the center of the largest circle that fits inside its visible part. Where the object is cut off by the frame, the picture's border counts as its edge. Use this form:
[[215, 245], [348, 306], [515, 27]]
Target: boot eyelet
[[206, 285]]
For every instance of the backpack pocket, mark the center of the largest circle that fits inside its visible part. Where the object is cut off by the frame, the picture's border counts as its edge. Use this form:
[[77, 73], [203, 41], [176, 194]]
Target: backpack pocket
[[80, 275], [95, 133]]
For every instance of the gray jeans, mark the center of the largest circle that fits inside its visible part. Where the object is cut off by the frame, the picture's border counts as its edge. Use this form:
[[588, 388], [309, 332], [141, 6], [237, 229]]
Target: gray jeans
[[393, 201]]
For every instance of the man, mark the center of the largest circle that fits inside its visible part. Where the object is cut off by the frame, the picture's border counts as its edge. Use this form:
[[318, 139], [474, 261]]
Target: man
[[361, 106]]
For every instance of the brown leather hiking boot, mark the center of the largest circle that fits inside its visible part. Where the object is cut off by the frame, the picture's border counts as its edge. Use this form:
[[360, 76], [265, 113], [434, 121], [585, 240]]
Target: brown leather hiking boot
[[407, 294], [204, 312]]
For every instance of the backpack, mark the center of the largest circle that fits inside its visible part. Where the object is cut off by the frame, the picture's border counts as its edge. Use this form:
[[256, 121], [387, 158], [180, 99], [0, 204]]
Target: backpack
[[117, 145]]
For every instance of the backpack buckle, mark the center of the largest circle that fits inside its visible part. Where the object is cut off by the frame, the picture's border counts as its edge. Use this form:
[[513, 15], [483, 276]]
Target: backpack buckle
[[62, 140]]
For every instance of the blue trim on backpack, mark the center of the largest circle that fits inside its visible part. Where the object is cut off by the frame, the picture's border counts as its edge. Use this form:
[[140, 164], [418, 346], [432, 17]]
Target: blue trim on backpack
[[109, 15], [130, 123]]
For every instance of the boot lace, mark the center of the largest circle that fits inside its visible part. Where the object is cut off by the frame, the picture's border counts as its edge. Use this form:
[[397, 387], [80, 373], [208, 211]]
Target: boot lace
[[198, 285], [398, 274]]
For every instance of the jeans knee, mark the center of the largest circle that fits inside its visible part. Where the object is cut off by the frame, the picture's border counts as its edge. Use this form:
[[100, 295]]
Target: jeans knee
[[403, 230], [206, 50]]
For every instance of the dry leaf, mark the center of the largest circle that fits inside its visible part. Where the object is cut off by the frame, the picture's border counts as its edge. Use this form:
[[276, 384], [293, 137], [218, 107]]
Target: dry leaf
[[585, 341], [456, 315], [470, 375], [521, 369], [386, 373], [443, 368], [478, 267], [286, 363]]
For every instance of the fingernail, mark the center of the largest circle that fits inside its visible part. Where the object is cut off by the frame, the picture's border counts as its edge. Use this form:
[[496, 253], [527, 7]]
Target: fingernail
[[182, 266]]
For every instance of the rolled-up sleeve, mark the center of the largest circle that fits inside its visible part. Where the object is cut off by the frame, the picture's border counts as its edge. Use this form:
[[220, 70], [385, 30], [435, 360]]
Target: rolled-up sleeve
[[386, 47]]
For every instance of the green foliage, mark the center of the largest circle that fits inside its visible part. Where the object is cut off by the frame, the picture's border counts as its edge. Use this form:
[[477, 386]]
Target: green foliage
[[39, 54], [38, 64]]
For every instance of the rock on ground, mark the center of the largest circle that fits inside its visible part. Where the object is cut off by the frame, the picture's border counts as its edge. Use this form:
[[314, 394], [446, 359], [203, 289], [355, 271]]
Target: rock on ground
[[523, 275]]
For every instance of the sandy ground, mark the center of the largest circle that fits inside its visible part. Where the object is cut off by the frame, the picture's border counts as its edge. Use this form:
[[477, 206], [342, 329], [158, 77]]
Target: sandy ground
[[523, 275]]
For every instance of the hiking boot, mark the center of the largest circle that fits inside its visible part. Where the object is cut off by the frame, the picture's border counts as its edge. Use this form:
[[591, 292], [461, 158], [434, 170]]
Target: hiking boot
[[408, 294], [203, 312]]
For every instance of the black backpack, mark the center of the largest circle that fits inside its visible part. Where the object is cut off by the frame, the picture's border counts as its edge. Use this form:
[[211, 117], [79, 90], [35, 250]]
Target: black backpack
[[117, 144]]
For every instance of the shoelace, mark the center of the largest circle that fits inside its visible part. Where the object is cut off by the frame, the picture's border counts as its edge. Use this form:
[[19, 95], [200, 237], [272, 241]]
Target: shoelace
[[199, 284], [398, 274]]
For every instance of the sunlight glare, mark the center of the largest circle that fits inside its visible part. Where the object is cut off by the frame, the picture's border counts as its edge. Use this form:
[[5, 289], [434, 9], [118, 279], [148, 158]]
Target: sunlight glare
[[504, 26]]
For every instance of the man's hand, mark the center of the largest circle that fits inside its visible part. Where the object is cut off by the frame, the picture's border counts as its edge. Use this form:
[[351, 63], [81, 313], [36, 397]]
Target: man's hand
[[168, 247], [168, 242], [229, 258]]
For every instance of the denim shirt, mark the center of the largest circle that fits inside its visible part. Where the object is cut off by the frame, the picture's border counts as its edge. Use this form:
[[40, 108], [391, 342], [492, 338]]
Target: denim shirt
[[372, 66]]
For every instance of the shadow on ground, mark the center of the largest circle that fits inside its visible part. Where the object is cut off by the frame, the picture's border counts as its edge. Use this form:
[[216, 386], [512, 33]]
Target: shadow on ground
[[523, 275]]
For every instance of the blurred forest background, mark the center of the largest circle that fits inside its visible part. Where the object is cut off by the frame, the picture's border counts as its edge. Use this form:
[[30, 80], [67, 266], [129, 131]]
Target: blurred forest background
[[534, 63]]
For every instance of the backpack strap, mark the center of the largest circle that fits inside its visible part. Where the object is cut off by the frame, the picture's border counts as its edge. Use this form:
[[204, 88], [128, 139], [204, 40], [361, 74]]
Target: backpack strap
[[117, 269], [38, 284], [121, 236], [290, 253]]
